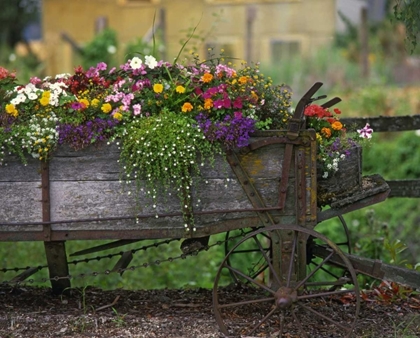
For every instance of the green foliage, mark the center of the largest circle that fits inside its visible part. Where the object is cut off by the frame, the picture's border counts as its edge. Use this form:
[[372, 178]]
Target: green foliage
[[402, 161], [101, 48], [163, 149], [14, 16], [408, 12], [140, 47]]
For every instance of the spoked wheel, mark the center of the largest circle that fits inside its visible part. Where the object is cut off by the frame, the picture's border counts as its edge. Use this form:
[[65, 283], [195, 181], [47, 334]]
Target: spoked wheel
[[248, 254], [344, 243], [287, 304], [256, 267]]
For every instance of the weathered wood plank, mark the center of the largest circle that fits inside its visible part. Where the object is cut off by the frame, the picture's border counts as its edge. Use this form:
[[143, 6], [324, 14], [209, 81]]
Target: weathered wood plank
[[385, 123], [404, 188]]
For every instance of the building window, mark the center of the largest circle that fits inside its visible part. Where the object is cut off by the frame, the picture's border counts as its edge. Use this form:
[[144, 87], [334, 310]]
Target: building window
[[283, 49]]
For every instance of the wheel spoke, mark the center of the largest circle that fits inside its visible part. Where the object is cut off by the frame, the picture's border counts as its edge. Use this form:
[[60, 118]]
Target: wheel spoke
[[246, 302], [292, 258], [299, 324], [343, 327], [314, 271], [267, 259], [248, 278], [262, 321], [325, 294]]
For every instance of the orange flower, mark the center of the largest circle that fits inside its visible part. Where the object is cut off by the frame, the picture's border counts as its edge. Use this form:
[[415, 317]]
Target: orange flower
[[243, 80], [186, 107], [326, 132], [207, 77], [337, 125], [208, 103]]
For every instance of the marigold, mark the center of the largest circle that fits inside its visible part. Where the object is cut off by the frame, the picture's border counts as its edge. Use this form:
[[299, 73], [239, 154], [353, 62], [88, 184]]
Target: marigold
[[208, 103], [106, 108], [207, 77], [158, 88], [326, 132], [180, 89], [243, 80], [337, 125], [85, 102], [187, 107]]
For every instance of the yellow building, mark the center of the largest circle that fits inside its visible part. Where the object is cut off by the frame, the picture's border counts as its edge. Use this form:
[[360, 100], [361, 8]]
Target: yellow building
[[253, 30]]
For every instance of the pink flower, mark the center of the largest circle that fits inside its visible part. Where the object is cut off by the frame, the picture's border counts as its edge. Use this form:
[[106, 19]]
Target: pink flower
[[137, 109], [365, 132], [238, 115]]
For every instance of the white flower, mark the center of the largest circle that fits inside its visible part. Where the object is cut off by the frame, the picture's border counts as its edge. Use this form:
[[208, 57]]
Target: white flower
[[150, 61], [366, 132], [111, 49], [135, 63]]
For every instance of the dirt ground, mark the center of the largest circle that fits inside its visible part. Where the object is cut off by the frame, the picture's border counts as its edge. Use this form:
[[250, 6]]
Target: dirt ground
[[36, 312]]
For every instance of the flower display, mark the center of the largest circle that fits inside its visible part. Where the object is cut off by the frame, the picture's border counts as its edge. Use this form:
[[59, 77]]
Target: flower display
[[333, 138], [166, 118]]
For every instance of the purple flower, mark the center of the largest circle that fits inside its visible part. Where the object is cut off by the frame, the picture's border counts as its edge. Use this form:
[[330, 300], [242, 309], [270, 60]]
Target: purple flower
[[231, 132], [80, 136], [365, 132], [77, 106]]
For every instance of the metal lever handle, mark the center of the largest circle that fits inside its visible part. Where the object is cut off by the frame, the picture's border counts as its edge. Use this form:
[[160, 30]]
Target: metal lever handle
[[331, 102], [296, 120]]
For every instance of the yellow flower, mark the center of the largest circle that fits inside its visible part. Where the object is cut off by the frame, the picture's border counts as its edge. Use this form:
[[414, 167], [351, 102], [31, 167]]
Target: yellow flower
[[187, 107], [94, 102], [180, 89], [117, 116], [158, 88], [11, 109], [44, 100], [318, 138], [47, 94], [207, 77], [106, 108], [85, 102]]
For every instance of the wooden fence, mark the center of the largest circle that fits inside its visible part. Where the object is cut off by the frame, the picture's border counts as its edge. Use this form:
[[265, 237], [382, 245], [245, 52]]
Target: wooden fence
[[400, 187]]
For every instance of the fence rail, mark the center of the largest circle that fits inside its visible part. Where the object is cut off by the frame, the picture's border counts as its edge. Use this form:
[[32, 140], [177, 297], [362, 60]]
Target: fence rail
[[402, 187]]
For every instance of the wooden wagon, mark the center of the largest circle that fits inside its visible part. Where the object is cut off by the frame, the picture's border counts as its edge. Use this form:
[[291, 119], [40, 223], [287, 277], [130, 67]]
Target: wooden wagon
[[265, 197]]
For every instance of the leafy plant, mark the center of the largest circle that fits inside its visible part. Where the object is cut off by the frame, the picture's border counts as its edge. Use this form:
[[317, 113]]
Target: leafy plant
[[102, 48], [119, 318], [407, 11]]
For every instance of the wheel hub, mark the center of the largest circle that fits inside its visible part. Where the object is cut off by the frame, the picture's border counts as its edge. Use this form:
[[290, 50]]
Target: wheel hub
[[285, 297]]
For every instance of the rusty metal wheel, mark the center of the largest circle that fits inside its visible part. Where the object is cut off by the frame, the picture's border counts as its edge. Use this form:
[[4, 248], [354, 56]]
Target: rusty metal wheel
[[287, 304], [256, 267], [342, 234]]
